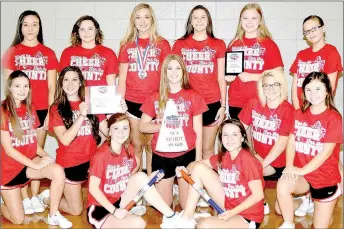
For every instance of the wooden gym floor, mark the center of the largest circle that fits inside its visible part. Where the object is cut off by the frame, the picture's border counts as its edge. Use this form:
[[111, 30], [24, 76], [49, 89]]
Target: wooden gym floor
[[153, 217]]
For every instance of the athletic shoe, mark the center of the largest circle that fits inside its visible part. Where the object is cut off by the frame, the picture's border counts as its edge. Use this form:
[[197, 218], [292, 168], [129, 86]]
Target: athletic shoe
[[37, 205], [58, 219], [43, 195], [287, 225], [138, 210], [266, 209], [175, 190], [202, 203], [198, 215], [28, 209], [169, 222], [307, 206]]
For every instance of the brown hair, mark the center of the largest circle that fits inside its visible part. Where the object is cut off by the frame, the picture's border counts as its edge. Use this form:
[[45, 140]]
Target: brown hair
[[75, 38]]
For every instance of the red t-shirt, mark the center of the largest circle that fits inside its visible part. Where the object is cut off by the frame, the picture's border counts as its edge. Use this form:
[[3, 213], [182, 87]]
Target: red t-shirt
[[10, 168], [311, 132], [189, 104], [82, 148], [325, 60], [267, 125], [259, 56], [35, 62], [200, 59], [95, 63], [235, 176], [137, 89], [113, 171]]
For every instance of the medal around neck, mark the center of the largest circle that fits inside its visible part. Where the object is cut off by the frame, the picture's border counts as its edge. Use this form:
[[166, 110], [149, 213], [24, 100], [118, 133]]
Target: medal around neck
[[142, 60], [171, 136]]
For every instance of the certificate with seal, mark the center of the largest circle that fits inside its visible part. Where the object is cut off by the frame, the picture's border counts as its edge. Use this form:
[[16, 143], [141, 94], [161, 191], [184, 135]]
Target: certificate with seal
[[103, 100], [234, 63]]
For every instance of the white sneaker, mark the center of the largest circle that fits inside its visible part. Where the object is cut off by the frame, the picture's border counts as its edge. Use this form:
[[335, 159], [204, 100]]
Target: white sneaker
[[266, 209], [175, 190], [138, 210], [59, 220], [198, 215], [169, 222], [202, 203], [43, 195], [287, 225], [37, 205], [177, 222], [28, 209], [307, 206]]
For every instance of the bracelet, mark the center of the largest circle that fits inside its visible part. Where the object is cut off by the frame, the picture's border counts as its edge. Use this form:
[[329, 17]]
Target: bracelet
[[113, 213]]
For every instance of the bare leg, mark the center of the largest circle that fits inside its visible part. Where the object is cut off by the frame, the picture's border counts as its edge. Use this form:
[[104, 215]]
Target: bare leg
[[72, 202], [209, 136], [137, 138], [148, 150], [184, 187], [25, 191], [323, 212], [215, 222], [165, 187], [13, 208], [130, 221]]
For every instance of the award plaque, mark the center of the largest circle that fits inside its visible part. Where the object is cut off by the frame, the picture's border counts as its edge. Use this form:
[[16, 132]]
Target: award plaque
[[102, 100], [234, 63]]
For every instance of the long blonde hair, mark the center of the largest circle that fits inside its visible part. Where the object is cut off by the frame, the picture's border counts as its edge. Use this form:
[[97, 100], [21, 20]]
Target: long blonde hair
[[263, 31], [10, 105], [132, 32], [280, 78], [164, 87]]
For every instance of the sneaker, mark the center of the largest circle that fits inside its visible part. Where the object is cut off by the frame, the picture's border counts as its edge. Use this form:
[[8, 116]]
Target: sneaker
[[28, 209], [169, 222], [59, 220], [202, 203], [307, 206], [177, 222], [198, 215], [287, 225], [37, 205], [266, 209], [43, 195], [138, 210], [175, 190]]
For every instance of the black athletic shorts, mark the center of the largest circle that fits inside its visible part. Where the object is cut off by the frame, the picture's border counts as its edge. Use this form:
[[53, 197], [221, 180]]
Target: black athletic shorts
[[42, 114], [96, 215], [77, 174], [18, 181], [209, 116], [234, 112], [134, 109], [276, 175], [325, 194], [249, 221]]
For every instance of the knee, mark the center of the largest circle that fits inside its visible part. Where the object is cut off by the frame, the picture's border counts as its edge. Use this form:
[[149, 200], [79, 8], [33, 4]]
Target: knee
[[204, 224], [58, 173], [197, 167], [139, 223], [140, 178], [18, 219], [283, 187], [76, 210]]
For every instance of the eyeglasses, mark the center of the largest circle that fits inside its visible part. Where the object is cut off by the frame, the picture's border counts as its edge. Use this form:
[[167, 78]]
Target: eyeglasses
[[313, 29], [274, 85]]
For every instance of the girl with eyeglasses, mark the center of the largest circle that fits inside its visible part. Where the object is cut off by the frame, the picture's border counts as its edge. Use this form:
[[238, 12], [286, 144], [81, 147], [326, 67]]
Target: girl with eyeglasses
[[260, 51], [312, 154], [98, 63], [268, 119], [320, 56]]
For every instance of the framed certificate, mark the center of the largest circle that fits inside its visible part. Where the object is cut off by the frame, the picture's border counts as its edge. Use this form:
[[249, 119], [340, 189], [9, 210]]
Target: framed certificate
[[234, 63], [103, 100]]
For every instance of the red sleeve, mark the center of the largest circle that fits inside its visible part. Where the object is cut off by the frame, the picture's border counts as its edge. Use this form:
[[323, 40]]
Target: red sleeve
[[221, 52], [245, 114], [8, 59], [123, 54], [112, 67], [274, 57], [52, 61], [4, 119], [54, 119], [334, 129], [101, 117], [214, 160], [176, 49], [165, 50], [198, 104], [148, 106], [97, 163], [286, 121], [334, 62], [293, 67], [64, 60], [253, 169], [36, 122]]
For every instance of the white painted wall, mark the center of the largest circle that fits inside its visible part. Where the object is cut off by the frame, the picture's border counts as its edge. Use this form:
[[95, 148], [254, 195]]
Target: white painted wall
[[284, 20]]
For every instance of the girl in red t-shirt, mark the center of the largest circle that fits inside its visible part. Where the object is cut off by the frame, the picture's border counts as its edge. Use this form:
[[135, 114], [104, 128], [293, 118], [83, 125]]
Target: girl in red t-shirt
[[22, 158], [313, 154], [141, 54], [114, 182], [268, 120], [174, 85], [203, 55], [260, 53], [28, 53], [237, 186], [98, 63], [77, 135], [319, 57]]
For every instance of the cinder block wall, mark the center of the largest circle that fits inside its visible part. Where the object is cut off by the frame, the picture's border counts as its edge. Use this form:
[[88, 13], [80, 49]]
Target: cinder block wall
[[284, 20]]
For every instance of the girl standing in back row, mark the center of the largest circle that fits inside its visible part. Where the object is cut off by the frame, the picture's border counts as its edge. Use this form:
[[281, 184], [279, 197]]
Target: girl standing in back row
[[142, 51], [260, 51]]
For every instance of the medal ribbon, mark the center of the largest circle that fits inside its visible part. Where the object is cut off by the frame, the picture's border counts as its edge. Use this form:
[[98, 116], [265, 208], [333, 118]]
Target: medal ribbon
[[141, 62]]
